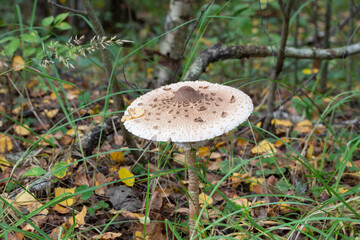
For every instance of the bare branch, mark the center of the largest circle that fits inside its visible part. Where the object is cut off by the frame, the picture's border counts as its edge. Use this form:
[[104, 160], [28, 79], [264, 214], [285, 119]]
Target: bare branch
[[218, 52]]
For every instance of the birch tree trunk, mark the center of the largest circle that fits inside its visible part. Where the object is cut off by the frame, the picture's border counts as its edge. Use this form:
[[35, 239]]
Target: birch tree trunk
[[172, 43]]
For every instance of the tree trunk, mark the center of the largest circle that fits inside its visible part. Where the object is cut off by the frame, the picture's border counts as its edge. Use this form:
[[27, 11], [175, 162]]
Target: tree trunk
[[172, 43], [118, 100], [286, 10], [324, 74]]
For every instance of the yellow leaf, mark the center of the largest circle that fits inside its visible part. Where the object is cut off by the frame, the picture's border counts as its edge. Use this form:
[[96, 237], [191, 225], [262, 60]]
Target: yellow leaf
[[304, 127], [310, 151], [136, 112], [24, 198], [18, 63], [203, 198], [342, 190], [59, 191], [5, 143], [125, 173], [117, 157], [204, 151], [22, 130], [51, 113], [264, 147], [284, 123], [307, 71], [279, 143], [79, 218], [139, 236]]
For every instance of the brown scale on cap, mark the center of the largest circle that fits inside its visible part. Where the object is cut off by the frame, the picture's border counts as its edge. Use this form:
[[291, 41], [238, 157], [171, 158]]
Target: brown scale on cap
[[186, 94]]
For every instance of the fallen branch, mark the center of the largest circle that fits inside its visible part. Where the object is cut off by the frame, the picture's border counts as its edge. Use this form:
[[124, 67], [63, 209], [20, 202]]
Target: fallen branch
[[218, 52]]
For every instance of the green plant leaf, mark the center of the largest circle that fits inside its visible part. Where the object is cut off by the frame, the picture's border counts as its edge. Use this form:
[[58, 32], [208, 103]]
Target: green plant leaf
[[31, 38], [34, 172], [63, 26], [47, 21], [5, 39], [61, 17], [85, 195], [59, 170], [12, 46]]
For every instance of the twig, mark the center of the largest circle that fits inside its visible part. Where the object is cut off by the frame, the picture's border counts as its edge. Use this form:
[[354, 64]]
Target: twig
[[67, 8], [218, 52], [188, 39]]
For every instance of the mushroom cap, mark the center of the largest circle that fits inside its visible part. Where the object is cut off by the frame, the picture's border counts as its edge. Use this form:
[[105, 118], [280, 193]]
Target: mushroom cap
[[187, 112]]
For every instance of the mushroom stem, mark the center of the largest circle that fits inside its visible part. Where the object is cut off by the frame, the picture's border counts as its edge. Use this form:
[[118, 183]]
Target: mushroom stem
[[193, 193]]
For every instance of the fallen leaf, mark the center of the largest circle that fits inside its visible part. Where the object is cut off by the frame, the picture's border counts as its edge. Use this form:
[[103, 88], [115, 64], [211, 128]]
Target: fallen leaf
[[204, 151], [264, 147], [304, 127], [5, 143], [60, 191], [18, 63], [136, 112], [51, 113], [60, 209], [125, 173], [100, 179], [203, 198], [107, 236], [117, 157], [79, 218], [22, 130], [281, 142], [156, 201]]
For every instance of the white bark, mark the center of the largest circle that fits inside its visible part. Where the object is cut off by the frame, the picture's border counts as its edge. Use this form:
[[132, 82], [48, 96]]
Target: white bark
[[172, 44]]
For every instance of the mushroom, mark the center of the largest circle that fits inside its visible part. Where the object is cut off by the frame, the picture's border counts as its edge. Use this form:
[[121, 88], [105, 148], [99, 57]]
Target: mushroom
[[187, 113]]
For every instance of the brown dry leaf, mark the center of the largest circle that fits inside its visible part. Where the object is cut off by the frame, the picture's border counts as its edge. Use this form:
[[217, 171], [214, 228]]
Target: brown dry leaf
[[51, 113], [180, 158], [47, 137], [79, 218], [164, 192], [80, 178], [304, 127], [59, 191], [241, 143], [184, 211], [256, 184], [28, 228], [241, 201], [60, 209], [117, 157], [22, 130], [107, 236], [203, 198], [119, 139], [156, 201], [264, 147], [18, 63], [136, 216], [55, 233], [99, 180], [5, 143], [214, 165]]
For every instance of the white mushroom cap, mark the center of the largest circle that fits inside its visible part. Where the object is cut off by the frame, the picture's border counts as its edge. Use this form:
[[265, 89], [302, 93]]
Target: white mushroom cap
[[187, 112]]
